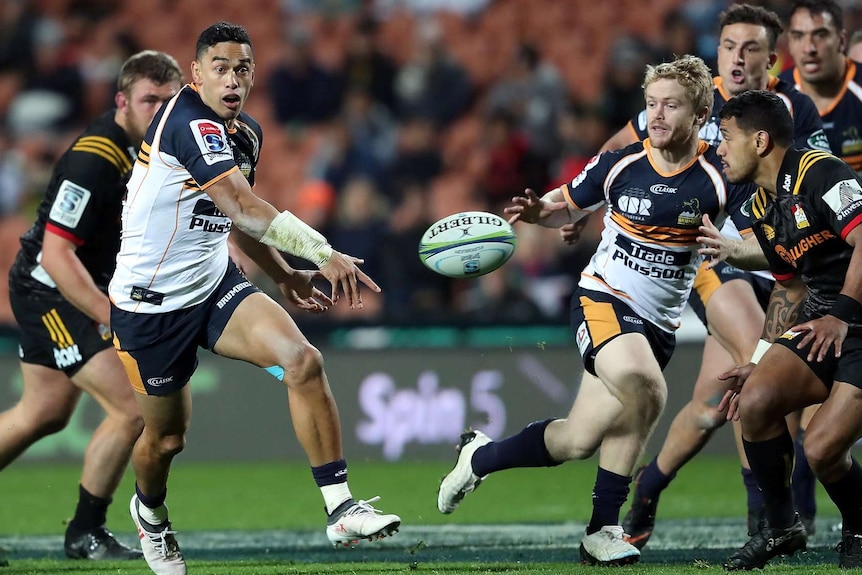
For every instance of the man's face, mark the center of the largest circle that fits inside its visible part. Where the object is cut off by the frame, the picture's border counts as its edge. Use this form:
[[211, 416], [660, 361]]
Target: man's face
[[671, 120], [224, 76], [140, 104], [738, 152], [816, 46], [744, 58]]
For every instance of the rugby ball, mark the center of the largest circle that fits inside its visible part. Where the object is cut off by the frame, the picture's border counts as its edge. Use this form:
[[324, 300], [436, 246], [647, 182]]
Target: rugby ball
[[467, 244]]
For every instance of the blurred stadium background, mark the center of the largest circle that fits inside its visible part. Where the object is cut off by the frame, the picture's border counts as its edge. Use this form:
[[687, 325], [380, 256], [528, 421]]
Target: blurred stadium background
[[379, 118]]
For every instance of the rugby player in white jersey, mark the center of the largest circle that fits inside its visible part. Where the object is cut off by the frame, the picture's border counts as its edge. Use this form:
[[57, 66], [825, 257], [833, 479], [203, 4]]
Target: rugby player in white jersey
[[628, 302], [175, 290], [729, 301]]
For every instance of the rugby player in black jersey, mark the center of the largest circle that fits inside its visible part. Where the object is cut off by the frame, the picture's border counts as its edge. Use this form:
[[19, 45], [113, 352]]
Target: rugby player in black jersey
[[806, 217], [58, 289]]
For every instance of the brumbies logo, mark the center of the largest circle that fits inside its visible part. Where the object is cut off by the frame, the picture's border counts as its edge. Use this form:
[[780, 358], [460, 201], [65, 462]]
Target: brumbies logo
[[690, 214]]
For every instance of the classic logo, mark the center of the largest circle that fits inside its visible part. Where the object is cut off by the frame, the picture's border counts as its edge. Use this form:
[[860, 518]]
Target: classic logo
[[662, 189], [768, 232], [159, 381]]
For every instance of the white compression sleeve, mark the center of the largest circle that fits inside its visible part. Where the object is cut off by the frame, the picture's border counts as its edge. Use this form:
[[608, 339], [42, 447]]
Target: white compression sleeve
[[287, 233]]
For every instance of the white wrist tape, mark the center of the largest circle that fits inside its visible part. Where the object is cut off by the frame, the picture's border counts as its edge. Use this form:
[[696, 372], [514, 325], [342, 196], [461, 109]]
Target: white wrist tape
[[762, 346], [287, 233]]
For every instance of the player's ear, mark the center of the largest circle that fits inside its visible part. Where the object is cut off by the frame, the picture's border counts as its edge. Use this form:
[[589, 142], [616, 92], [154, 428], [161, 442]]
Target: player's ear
[[120, 100], [196, 72], [773, 58], [842, 41], [763, 142]]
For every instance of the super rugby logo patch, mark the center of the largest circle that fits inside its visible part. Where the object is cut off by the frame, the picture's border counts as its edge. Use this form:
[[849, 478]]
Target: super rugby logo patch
[[211, 140]]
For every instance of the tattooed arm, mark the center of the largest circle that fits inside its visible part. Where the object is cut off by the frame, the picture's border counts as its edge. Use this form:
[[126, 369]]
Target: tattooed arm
[[785, 307]]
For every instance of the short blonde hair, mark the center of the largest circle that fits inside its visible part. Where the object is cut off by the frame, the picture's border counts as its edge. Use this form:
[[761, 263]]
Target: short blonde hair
[[691, 73]]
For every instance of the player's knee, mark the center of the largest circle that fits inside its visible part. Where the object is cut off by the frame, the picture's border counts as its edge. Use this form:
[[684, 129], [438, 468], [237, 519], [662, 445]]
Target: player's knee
[[303, 365], [824, 457], [51, 420], [167, 446]]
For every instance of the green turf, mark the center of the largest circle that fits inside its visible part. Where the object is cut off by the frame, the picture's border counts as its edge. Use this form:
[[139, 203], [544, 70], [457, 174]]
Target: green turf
[[36, 498]]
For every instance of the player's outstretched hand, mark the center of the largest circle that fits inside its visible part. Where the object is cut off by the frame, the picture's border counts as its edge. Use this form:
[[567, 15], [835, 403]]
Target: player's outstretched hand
[[300, 291], [571, 233], [736, 378], [716, 247], [531, 208], [824, 333], [344, 274]]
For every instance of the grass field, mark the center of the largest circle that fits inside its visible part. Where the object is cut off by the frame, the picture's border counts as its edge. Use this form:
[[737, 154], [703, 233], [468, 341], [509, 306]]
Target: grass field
[[266, 518]]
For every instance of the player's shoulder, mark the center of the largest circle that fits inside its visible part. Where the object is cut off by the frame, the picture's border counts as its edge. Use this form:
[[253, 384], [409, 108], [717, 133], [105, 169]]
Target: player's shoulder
[[187, 105], [816, 168], [788, 89], [103, 144], [787, 76]]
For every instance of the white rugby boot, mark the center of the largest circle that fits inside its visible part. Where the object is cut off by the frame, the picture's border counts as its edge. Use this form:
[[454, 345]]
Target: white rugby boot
[[461, 480], [355, 520], [158, 544], [607, 547]]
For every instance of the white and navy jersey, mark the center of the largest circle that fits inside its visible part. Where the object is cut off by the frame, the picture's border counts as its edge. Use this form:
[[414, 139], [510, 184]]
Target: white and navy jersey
[[648, 256], [807, 127], [174, 251], [842, 120]]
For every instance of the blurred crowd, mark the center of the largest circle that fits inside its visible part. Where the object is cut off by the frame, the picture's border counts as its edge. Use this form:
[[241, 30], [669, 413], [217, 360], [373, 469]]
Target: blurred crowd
[[379, 118]]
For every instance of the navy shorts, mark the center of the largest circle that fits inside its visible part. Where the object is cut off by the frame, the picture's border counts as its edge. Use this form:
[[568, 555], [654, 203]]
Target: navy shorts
[[847, 368], [159, 350], [708, 280], [597, 318], [55, 334]]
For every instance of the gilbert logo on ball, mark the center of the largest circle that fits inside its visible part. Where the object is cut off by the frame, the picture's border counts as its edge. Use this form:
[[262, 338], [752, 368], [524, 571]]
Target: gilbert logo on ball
[[467, 244]]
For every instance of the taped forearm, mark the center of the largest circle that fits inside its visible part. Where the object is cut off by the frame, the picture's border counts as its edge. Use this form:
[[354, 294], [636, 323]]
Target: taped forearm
[[287, 233]]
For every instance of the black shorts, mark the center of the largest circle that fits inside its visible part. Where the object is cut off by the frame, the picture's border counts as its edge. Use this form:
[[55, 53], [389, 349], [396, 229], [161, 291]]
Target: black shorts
[[159, 350], [708, 280], [847, 368], [56, 334], [597, 318]]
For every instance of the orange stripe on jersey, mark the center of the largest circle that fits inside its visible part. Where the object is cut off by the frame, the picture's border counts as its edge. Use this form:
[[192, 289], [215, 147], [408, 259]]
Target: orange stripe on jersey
[[616, 292], [701, 148], [601, 320], [657, 234], [808, 159], [705, 283], [131, 366], [220, 177]]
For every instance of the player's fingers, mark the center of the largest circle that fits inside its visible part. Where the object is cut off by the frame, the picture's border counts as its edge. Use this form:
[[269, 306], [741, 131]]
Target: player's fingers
[[355, 296], [366, 279], [321, 297]]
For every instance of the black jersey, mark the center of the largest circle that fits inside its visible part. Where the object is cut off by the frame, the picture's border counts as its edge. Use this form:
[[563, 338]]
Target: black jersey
[[807, 125], [82, 204], [802, 230]]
